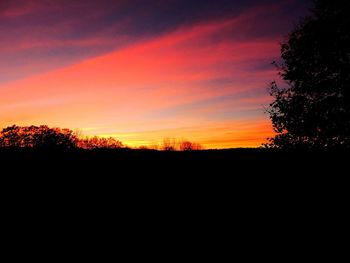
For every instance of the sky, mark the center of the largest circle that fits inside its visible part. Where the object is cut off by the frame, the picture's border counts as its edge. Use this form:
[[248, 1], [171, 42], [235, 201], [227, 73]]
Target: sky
[[144, 70]]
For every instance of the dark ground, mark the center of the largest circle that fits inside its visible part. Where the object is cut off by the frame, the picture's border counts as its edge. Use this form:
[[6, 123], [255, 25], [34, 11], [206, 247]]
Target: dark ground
[[223, 174], [252, 191], [232, 162], [244, 178]]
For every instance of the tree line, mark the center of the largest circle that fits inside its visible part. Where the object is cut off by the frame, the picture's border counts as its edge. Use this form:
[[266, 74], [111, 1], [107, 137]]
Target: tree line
[[51, 138], [44, 137]]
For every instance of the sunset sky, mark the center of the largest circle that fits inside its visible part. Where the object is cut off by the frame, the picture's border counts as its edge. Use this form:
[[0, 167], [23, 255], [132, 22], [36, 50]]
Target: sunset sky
[[144, 70]]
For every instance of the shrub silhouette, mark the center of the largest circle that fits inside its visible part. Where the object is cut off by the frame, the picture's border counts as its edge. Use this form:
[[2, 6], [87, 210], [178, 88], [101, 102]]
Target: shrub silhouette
[[99, 143], [37, 137], [189, 146], [173, 145], [313, 110], [169, 145]]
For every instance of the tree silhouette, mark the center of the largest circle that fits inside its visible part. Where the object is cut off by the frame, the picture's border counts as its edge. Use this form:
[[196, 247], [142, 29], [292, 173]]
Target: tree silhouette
[[49, 138], [37, 137], [313, 109]]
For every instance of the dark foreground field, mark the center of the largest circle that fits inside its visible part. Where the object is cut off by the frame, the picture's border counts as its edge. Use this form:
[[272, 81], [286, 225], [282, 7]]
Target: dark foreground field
[[148, 162], [246, 173], [257, 187]]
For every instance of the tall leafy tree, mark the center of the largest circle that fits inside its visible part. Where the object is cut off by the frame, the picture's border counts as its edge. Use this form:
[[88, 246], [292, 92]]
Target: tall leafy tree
[[312, 109]]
